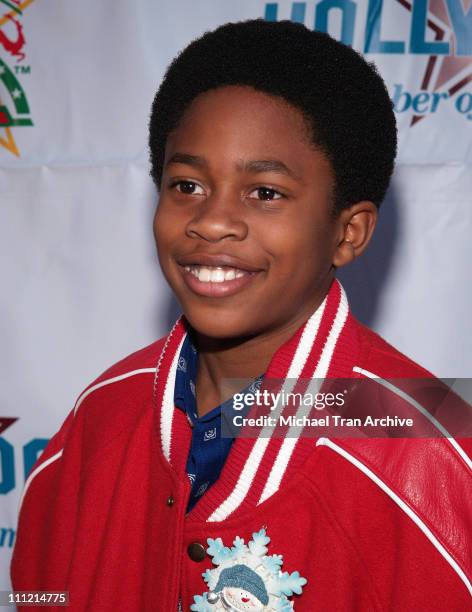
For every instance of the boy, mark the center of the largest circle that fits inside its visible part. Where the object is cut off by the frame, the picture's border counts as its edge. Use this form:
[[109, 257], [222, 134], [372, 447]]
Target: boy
[[272, 147]]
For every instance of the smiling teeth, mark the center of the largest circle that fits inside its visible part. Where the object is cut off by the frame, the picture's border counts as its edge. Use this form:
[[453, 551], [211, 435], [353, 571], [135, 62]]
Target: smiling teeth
[[207, 274]]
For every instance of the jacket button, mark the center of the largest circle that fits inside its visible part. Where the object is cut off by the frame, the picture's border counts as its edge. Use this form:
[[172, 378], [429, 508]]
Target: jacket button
[[170, 501], [196, 551]]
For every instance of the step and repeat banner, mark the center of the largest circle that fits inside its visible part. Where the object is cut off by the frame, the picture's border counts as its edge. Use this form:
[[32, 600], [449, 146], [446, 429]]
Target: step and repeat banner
[[80, 281]]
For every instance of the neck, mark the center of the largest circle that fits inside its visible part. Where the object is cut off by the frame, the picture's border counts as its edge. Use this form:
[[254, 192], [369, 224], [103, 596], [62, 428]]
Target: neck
[[240, 358]]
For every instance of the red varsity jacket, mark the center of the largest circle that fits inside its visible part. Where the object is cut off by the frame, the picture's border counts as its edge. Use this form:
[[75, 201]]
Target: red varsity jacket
[[292, 523]]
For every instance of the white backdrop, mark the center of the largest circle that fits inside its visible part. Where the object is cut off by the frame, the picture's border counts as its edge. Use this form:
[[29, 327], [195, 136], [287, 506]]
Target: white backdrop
[[80, 282]]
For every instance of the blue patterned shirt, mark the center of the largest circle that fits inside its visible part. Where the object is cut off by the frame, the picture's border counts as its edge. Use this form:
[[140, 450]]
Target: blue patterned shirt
[[208, 449]]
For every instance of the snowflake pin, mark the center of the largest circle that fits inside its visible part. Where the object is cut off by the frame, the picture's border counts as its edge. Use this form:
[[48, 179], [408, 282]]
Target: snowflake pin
[[246, 579]]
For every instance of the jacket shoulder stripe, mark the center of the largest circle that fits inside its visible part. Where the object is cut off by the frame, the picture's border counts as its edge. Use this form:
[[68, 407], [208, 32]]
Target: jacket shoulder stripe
[[81, 398], [391, 387], [414, 517], [35, 472], [109, 381]]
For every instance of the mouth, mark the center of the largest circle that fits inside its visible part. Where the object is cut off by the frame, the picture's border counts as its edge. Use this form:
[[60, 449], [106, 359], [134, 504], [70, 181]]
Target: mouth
[[216, 281], [216, 274]]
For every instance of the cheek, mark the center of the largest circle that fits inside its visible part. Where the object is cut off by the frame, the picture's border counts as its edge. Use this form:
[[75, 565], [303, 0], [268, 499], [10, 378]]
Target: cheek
[[166, 225], [298, 246], [302, 259], [155, 226], [164, 235]]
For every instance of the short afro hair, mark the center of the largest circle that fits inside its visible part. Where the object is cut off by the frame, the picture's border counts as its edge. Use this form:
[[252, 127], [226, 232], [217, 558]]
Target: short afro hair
[[341, 95]]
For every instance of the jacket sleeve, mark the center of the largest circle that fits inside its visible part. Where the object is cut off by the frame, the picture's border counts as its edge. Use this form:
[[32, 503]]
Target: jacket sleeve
[[48, 512]]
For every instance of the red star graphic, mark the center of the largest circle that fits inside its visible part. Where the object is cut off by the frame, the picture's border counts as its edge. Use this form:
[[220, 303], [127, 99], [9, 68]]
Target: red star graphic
[[5, 423], [450, 66]]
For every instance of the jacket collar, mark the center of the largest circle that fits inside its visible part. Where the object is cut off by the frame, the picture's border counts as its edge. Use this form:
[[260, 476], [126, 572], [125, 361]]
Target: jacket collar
[[324, 346]]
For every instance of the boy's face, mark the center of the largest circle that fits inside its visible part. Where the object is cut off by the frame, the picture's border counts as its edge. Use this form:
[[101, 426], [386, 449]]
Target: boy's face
[[245, 194]]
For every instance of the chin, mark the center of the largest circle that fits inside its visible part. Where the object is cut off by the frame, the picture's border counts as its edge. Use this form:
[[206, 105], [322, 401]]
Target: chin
[[221, 326]]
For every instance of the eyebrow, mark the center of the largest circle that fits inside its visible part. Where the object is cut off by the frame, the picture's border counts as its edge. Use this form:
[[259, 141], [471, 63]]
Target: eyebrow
[[189, 160], [267, 165], [252, 166]]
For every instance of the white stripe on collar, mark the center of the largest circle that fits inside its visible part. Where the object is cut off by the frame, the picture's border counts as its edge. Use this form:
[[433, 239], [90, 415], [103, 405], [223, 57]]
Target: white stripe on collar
[[247, 475], [289, 443], [168, 404]]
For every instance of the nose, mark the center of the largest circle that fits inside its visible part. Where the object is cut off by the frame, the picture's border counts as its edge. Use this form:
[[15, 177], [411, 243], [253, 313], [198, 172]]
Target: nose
[[219, 217]]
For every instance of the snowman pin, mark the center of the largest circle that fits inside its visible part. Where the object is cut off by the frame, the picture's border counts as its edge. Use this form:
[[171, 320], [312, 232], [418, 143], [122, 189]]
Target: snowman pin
[[239, 588], [246, 579]]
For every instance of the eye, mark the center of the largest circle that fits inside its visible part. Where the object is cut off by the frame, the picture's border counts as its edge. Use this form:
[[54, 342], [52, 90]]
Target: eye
[[187, 187], [266, 193]]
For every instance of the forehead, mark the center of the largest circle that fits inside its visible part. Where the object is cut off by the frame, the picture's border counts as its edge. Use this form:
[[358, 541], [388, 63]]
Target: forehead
[[238, 103], [236, 123]]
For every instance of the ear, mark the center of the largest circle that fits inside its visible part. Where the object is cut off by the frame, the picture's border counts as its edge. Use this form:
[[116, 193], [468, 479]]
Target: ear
[[356, 226]]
